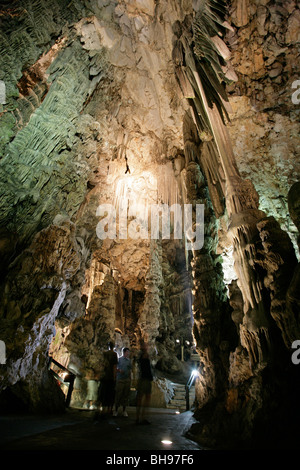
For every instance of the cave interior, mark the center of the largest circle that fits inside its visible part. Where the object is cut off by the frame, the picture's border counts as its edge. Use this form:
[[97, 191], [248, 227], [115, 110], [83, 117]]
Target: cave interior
[[150, 191]]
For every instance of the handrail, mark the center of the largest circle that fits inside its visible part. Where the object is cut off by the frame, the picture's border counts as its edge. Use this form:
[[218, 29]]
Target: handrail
[[68, 380]]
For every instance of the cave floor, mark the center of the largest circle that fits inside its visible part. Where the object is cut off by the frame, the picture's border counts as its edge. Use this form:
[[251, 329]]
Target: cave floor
[[80, 430]]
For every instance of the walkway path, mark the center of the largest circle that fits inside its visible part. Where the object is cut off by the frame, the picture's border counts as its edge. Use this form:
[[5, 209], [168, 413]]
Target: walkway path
[[79, 430]]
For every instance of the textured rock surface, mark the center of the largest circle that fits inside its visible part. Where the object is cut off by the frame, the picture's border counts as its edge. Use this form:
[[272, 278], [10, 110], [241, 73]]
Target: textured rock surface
[[264, 122], [31, 297], [128, 103]]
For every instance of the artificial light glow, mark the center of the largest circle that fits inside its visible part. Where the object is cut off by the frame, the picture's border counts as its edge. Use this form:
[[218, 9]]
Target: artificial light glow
[[195, 373], [166, 442], [139, 189], [177, 412]]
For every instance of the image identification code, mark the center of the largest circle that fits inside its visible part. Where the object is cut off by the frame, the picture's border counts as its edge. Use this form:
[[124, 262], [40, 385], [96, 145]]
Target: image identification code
[[153, 459], [170, 459]]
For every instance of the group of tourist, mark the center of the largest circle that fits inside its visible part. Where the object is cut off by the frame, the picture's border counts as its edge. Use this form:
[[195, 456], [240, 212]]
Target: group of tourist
[[115, 383]]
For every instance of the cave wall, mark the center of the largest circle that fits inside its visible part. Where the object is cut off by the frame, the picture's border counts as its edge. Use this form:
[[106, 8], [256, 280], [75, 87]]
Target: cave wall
[[264, 120], [133, 103], [91, 93], [264, 256]]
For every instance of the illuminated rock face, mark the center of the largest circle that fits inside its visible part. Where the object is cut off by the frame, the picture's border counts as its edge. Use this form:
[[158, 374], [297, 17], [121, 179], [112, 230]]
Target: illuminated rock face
[[117, 105], [96, 119]]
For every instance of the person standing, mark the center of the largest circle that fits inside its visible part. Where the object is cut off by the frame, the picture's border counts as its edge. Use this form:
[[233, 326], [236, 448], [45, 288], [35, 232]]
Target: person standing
[[108, 380], [123, 382], [92, 390], [144, 386]]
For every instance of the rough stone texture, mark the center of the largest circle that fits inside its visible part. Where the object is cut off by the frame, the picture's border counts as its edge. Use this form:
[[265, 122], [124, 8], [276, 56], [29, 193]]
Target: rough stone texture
[[34, 290], [264, 119], [125, 103]]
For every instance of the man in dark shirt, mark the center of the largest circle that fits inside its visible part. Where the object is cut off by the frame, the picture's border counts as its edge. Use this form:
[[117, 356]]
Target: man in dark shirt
[[123, 382]]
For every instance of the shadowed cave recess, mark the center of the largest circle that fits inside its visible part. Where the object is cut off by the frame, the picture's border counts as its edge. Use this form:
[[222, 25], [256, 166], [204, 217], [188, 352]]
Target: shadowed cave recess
[[132, 104]]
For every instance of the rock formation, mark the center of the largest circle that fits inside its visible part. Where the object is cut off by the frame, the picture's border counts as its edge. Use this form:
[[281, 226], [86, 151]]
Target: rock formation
[[114, 109]]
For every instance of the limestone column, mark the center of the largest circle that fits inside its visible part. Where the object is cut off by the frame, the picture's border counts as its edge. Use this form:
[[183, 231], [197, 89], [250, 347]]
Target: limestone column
[[209, 297]]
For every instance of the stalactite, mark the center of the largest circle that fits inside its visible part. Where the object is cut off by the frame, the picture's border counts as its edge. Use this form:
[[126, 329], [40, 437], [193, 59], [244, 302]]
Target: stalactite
[[258, 262], [257, 343], [209, 110], [209, 298]]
